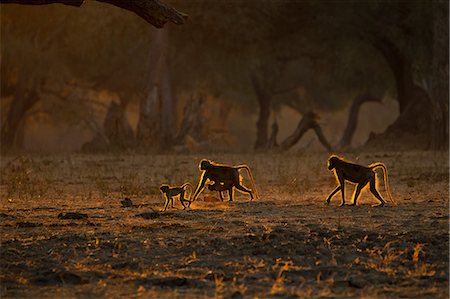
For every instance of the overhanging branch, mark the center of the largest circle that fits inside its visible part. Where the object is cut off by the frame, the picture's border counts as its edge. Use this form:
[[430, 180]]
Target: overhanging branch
[[43, 2], [154, 12]]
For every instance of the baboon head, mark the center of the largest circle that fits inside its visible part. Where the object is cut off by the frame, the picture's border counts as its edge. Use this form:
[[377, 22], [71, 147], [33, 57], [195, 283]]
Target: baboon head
[[332, 161], [164, 188], [204, 164]]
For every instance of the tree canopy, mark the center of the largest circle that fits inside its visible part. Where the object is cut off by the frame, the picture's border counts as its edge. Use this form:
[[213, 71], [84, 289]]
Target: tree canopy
[[309, 55]]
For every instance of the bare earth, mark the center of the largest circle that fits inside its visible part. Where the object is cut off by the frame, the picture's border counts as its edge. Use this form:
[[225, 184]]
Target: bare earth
[[286, 244]]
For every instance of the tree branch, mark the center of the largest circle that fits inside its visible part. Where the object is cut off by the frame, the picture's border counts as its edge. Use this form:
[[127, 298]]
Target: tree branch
[[154, 12], [43, 2]]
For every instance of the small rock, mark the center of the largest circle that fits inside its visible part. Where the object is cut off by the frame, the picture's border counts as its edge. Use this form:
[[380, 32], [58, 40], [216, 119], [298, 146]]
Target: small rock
[[236, 295], [126, 265], [126, 203], [340, 283], [28, 224], [5, 216], [53, 277], [165, 281], [149, 215], [69, 277], [357, 281], [251, 237], [72, 215]]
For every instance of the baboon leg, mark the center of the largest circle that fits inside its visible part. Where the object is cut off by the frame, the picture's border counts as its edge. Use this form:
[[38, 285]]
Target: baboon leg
[[200, 187], [189, 203], [342, 182], [332, 194], [220, 195], [242, 188], [182, 199], [357, 193], [374, 191], [166, 204], [230, 193]]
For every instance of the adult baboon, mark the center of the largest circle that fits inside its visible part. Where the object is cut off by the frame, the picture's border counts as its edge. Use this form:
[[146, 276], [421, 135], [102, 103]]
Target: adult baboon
[[224, 177], [358, 174]]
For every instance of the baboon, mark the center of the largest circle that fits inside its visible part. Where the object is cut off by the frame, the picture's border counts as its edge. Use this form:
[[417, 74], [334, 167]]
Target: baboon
[[224, 178], [170, 192], [219, 187], [358, 174]]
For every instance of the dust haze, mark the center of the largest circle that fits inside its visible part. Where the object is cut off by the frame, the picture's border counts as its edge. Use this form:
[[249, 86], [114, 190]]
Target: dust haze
[[102, 102]]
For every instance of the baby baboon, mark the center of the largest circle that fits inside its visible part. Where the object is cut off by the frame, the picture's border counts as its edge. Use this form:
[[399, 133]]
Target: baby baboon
[[358, 174], [224, 177], [170, 192], [219, 187]]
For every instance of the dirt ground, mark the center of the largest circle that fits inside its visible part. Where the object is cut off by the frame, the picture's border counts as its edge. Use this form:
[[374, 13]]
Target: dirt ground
[[286, 244]]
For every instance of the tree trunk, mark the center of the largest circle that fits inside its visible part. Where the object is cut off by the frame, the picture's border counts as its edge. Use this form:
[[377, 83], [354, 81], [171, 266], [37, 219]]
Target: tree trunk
[[352, 121], [412, 127], [20, 105], [273, 143], [156, 110], [116, 132], [318, 130], [148, 129], [264, 98], [167, 101], [440, 78], [401, 69], [262, 125], [192, 122], [117, 128], [307, 122]]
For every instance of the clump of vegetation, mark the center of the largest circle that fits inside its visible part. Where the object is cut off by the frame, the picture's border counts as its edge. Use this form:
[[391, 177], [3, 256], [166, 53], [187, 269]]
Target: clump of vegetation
[[278, 284], [25, 178], [131, 184]]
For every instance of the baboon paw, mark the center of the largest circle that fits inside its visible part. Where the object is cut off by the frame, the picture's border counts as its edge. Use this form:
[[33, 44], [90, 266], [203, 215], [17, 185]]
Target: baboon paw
[[342, 204]]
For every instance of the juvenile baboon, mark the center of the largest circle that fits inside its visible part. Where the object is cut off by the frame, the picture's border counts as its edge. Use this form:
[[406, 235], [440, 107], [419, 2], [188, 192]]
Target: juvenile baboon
[[170, 192], [224, 177], [219, 187], [358, 174]]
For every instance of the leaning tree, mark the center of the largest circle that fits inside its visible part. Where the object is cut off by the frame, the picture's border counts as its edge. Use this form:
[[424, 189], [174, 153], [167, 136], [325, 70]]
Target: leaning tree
[[413, 42]]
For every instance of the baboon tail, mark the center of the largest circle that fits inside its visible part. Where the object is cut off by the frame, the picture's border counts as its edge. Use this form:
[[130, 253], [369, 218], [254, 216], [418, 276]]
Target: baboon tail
[[252, 180], [191, 190], [385, 174]]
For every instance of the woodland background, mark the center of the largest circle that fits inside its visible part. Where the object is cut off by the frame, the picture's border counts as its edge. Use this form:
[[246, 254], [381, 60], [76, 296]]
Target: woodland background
[[236, 76]]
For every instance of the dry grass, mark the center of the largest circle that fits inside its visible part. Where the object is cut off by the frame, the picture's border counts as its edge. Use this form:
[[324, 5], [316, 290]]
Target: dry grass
[[287, 244]]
